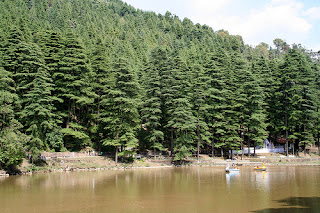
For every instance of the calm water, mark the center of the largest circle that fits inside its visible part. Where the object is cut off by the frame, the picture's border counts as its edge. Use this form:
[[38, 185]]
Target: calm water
[[198, 189]]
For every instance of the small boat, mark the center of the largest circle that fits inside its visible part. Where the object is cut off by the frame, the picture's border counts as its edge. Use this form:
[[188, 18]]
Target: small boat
[[258, 168], [228, 169]]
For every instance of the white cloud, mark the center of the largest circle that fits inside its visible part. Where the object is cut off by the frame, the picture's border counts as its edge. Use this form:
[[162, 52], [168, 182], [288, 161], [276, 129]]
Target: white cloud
[[278, 19], [209, 6], [256, 21], [313, 13], [285, 2]]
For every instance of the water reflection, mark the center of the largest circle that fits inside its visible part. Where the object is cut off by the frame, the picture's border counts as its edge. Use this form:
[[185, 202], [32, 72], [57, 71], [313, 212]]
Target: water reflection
[[262, 180], [296, 205], [93, 184], [231, 177], [194, 189]]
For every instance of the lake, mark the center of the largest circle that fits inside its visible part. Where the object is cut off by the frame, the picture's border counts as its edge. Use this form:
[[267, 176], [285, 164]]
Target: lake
[[191, 189]]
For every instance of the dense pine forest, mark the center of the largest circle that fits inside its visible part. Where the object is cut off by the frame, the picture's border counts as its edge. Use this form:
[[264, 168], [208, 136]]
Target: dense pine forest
[[102, 74]]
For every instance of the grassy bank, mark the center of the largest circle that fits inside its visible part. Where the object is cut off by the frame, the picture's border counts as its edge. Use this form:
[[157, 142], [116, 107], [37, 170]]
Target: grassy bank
[[86, 163], [105, 163]]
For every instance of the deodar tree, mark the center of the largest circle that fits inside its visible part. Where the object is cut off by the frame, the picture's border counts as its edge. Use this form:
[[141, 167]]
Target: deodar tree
[[121, 116], [102, 74]]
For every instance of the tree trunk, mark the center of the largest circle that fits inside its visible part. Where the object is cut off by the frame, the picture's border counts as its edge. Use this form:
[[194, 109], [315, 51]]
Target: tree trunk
[[286, 124], [293, 148], [304, 130], [154, 149], [242, 142], [198, 129], [69, 114], [171, 142], [248, 147], [116, 154], [2, 126], [318, 145], [198, 144], [212, 147], [98, 108], [121, 150]]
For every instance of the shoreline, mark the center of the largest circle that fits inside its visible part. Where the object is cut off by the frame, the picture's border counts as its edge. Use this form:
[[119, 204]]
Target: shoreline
[[89, 169], [100, 163]]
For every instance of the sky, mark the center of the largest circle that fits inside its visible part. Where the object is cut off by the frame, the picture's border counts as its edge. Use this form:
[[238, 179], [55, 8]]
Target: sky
[[294, 21]]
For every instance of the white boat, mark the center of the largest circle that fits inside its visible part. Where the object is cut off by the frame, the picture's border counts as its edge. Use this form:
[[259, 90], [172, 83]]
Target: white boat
[[228, 169]]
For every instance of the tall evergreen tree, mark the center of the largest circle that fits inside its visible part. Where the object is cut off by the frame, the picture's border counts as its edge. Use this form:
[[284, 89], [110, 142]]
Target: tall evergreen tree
[[12, 141], [121, 118], [151, 110], [200, 107], [8, 98], [38, 113], [255, 113], [217, 66], [72, 80], [181, 120], [100, 85], [296, 91]]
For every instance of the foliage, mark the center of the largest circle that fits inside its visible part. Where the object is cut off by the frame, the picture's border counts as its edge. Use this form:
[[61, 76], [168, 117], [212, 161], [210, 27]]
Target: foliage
[[103, 74], [12, 143]]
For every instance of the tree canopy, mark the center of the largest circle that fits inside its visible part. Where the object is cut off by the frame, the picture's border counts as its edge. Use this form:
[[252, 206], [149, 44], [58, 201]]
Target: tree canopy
[[79, 73]]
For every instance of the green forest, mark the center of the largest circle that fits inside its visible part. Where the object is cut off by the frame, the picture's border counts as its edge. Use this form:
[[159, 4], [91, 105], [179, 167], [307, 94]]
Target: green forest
[[102, 74]]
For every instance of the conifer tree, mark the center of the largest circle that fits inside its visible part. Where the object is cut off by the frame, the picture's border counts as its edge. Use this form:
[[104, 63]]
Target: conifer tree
[[38, 113], [316, 70], [249, 100], [12, 141], [51, 45], [12, 145], [296, 87], [180, 117], [8, 98], [159, 62], [12, 52], [200, 107], [275, 118], [72, 81], [151, 110], [102, 74], [216, 67], [121, 118], [255, 112]]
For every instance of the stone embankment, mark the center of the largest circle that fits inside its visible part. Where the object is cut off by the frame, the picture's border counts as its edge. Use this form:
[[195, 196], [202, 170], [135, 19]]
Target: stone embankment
[[3, 173], [65, 162]]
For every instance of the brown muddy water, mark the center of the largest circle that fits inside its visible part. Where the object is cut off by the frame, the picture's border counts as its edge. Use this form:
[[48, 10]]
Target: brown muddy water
[[192, 189]]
